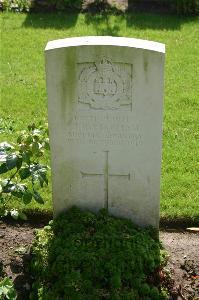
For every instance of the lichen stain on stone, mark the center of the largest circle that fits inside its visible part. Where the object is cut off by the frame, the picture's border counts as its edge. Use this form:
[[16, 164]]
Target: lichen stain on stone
[[68, 86], [145, 65]]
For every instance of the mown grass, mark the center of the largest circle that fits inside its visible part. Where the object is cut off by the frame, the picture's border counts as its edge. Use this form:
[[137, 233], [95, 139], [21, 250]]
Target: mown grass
[[23, 93]]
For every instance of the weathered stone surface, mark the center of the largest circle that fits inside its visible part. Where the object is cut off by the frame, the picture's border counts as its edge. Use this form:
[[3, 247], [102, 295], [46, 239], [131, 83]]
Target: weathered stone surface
[[193, 229], [105, 120]]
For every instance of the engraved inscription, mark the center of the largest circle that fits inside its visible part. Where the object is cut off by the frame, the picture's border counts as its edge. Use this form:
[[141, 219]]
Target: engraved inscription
[[107, 129], [105, 85], [106, 175]]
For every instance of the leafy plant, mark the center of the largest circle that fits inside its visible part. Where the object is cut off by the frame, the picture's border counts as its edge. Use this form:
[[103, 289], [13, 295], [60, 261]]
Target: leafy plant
[[7, 290], [22, 171], [186, 7], [64, 4], [16, 5], [81, 255], [180, 7]]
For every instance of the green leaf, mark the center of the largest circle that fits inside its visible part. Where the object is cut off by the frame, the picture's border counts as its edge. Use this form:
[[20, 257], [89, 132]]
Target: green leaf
[[5, 146], [41, 181], [46, 144], [4, 290], [31, 127], [22, 216], [4, 182], [11, 161], [39, 173], [35, 147], [27, 197], [8, 187], [36, 137], [26, 156], [38, 197], [7, 290], [29, 140], [24, 173], [19, 162], [37, 132], [35, 177], [18, 190], [14, 214], [3, 156], [3, 168], [19, 139], [43, 177], [17, 194]]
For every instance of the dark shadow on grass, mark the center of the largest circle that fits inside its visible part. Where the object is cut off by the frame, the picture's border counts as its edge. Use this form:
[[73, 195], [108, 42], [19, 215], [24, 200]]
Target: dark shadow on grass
[[144, 21], [103, 24], [58, 20]]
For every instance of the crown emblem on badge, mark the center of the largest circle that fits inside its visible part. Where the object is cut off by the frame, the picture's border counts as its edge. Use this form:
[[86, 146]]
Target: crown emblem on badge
[[105, 65], [105, 85]]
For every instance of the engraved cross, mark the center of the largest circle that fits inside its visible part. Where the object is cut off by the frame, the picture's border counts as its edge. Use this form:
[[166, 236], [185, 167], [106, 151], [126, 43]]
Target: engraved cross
[[106, 175]]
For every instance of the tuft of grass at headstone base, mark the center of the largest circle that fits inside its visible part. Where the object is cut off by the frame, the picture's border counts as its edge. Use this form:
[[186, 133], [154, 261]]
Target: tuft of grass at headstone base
[[23, 92], [81, 255]]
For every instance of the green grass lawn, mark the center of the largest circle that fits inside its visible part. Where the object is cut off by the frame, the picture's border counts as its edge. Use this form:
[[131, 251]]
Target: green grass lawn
[[23, 92]]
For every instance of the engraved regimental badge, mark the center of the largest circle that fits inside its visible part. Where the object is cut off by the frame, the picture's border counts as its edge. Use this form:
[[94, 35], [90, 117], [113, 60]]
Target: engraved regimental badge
[[105, 85]]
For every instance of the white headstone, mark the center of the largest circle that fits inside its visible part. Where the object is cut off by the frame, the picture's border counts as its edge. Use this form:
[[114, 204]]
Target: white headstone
[[105, 120]]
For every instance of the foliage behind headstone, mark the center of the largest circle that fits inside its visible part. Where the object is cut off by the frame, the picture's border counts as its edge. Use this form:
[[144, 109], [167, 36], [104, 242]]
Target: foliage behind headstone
[[180, 7], [16, 5]]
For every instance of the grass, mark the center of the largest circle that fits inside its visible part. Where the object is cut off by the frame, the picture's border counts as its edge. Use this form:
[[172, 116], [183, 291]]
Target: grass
[[23, 93]]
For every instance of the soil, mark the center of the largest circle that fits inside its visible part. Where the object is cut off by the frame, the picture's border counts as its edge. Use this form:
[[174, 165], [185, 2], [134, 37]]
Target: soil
[[183, 264]]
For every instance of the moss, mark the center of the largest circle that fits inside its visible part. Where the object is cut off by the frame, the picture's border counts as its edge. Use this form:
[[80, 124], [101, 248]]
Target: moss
[[81, 255]]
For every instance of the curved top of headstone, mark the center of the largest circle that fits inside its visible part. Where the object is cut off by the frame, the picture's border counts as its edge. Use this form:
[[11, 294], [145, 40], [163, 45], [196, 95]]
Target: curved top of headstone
[[106, 41]]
